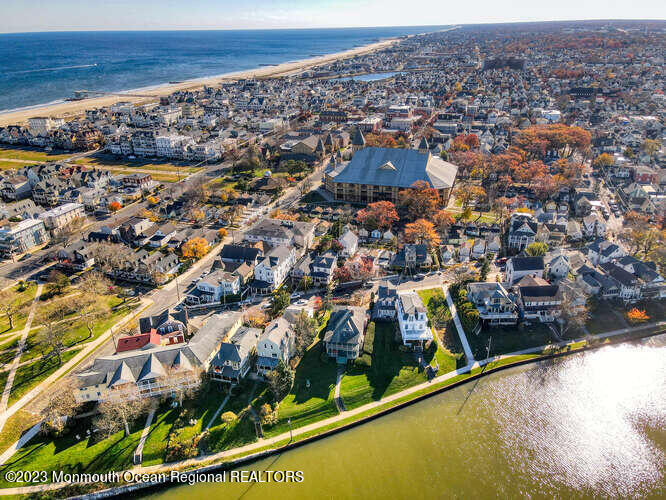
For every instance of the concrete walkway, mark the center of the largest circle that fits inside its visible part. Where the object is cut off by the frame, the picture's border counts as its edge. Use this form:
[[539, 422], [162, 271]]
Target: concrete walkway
[[339, 402], [138, 453], [15, 364], [459, 327], [22, 441], [217, 412], [86, 350]]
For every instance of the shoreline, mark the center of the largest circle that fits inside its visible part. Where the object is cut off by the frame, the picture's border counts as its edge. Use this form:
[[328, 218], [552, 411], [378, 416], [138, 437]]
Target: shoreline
[[245, 455], [69, 109]]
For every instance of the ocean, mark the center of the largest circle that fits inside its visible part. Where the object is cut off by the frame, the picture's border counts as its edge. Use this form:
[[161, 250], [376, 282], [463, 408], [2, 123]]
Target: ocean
[[41, 68]]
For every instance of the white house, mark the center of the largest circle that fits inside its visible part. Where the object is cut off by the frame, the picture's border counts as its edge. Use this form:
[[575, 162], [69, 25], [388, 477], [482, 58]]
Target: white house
[[518, 267], [276, 344], [215, 287], [273, 269], [413, 320], [593, 226], [349, 242]]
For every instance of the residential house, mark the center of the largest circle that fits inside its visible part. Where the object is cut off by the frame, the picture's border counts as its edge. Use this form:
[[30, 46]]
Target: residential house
[[277, 343], [235, 356], [412, 320], [384, 308], [345, 332], [517, 267], [495, 304], [271, 272], [349, 243]]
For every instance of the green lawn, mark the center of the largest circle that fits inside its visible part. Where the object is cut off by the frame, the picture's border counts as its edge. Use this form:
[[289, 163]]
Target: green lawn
[[77, 332], [31, 155], [305, 405], [16, 425], [28, 376], [75, 456], [101, 161], [509, 339], [25, 299]]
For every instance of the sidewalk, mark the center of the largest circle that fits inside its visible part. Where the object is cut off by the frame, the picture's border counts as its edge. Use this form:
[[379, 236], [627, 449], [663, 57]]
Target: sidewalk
[[17, 359], [459, 327]]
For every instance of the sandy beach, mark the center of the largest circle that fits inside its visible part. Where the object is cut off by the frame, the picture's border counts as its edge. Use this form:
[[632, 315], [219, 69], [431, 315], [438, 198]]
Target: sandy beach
[[73, 108]]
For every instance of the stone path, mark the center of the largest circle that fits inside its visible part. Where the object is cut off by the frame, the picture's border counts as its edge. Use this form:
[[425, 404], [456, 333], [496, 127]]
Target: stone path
[[17, 359]]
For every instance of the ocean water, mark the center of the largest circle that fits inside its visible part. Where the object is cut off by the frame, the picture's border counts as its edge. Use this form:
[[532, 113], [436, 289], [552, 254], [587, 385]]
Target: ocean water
[[39, 68]]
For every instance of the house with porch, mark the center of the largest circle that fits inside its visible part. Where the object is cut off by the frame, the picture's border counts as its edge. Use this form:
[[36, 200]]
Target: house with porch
[[412, 320], [345, 332]]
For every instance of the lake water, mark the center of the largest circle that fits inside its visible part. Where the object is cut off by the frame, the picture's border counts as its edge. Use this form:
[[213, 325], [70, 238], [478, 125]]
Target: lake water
[[589, 425]]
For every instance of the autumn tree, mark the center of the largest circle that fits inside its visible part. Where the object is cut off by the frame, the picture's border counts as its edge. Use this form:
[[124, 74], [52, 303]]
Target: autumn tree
[[60, 407], [378, 215], [420, 199], [468, 194], [422, 231], [380, 141], [651, 147], [114, 206], [280, 302], [442, 220], [305, 331], [603, 160], [573, 316], [10, 305], [147, 214], [222, 233], [536, 249], [195, 248], [635, 316]]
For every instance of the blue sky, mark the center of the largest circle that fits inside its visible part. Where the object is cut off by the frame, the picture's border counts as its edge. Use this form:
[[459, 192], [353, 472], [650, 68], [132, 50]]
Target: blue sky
[[63, 15]]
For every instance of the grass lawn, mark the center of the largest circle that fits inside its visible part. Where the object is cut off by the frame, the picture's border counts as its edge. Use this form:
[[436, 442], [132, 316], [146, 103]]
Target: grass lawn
[[75, 456], [15, 426], [25, 298], [305, 405], [153, 448], [28, 376], [12, 165], [77, 332], [31, 155], [392, 370], [101, 161], [238, 433], [509, 339]]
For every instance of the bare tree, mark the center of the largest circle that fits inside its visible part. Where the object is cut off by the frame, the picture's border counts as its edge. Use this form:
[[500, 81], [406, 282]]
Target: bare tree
[[94, 284], [305, 186], [51, 317], [10, 305], [90, 309], [60, 407], [108, 256], [573, 314], [122, 410]]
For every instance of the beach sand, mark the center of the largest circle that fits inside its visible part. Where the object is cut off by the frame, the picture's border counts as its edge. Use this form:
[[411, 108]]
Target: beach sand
[[74, 108]]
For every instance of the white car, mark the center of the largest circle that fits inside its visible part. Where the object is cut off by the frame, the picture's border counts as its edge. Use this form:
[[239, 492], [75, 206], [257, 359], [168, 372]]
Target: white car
[[296, 295]]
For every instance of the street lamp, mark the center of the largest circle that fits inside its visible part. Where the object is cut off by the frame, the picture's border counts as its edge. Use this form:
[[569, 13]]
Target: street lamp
[[291, 436]]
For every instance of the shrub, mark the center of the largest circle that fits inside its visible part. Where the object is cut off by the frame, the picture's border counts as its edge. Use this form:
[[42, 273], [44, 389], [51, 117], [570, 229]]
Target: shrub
[[363, 361], [369, 338], [228, 417]]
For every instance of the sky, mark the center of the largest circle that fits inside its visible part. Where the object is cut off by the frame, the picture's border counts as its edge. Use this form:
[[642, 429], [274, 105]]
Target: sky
[[81, 15]]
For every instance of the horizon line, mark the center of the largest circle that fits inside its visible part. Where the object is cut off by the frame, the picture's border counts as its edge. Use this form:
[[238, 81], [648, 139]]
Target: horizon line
[[210, 28]]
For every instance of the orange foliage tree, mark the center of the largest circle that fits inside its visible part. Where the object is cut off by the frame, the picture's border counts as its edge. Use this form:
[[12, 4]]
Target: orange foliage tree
[[222, 233], [636, 315], [380, 141], [381, 214], [195, 248], [114, 206], [420, 199], [422, 231]]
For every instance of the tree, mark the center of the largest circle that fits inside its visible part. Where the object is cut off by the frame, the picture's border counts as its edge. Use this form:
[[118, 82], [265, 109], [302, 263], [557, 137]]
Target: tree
[[57, 282], [153, 200], [305, 331], [485, 269], [147, 214], [536, 249], [121, 411], [280, 302], [635, 316], [94, 284], [195, 248], [222, 233], [197, 192], [60, 407], [379, 215], [467, 194], [573, 316], [280, 380], [114, 206], [420, 199], [10, 305], [90, 309], [603, 160], [442, 220], [52, 334], [651, 147], [422, 231], [305, 283]]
